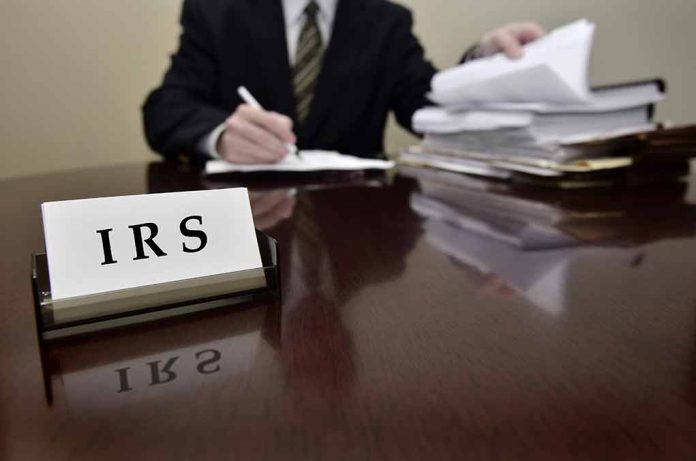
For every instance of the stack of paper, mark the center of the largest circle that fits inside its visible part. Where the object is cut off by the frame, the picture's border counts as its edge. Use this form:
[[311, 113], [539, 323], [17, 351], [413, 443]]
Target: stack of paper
[[535, 115]]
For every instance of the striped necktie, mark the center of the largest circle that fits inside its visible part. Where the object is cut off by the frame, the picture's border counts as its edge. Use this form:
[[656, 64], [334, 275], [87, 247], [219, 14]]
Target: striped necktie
[[307, 62]]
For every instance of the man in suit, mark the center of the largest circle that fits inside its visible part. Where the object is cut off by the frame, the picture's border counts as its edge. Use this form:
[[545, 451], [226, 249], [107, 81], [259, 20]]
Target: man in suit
[[328, 72]]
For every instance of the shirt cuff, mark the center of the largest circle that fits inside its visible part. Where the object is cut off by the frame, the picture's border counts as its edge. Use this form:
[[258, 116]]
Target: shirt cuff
[[208, 143]]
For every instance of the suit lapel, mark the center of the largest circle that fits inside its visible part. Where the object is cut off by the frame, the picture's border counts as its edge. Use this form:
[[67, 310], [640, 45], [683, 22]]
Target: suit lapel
[[267, 27], [338, 60]]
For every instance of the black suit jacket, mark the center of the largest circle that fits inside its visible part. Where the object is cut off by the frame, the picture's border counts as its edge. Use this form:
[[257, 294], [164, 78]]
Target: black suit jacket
[[373, 64]]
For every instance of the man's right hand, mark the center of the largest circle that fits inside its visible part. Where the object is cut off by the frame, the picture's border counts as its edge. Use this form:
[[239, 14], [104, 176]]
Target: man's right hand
[[255, 136]]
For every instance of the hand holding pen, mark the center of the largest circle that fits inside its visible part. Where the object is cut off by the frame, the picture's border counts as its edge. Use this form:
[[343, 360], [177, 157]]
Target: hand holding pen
[[253, 135]]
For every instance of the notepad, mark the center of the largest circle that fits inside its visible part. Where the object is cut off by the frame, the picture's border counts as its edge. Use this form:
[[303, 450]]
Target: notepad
[[309, 160]]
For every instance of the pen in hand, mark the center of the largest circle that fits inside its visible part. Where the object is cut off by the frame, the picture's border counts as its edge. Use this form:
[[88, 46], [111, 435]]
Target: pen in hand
[[248, 98]]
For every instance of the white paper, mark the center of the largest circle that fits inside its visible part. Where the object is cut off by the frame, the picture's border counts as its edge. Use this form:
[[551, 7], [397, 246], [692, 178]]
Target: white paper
[[553, 69], [75, 249], [309, 160], [479, 168], [440, 120], [603, 100]]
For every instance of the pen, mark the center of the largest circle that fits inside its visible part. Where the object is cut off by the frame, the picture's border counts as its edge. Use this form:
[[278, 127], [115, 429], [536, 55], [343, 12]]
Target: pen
[[248, 98]]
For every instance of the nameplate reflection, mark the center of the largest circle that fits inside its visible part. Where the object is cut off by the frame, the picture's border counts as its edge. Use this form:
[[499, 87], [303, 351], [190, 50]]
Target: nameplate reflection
[[158, 366], [164, 371], [162, 376]]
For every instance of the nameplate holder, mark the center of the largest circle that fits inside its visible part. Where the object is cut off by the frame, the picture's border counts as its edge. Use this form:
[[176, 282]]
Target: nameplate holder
[[121, 260]]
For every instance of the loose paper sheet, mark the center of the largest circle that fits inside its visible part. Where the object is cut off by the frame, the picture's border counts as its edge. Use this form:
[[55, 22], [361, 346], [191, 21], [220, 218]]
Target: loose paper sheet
[[308, 160], [553, 69]]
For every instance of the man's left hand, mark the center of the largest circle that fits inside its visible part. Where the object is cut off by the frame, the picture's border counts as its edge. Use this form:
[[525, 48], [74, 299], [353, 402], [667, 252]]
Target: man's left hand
[[509, 39]]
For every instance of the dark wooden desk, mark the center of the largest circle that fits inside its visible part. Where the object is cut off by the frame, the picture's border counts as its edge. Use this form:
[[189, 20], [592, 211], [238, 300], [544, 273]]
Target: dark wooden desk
[[384, 346]]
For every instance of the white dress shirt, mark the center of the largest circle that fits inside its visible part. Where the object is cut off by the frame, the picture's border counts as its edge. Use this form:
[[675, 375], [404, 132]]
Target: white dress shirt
[[293, 12]]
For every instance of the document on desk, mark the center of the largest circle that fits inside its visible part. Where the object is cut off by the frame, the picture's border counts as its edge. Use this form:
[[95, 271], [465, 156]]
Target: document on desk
[[308, 160]]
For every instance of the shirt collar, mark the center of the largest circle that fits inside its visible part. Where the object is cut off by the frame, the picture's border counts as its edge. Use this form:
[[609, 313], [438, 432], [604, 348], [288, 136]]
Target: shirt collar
[[294, 10]]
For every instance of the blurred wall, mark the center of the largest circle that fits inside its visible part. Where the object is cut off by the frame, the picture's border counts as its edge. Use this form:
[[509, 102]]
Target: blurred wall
[[75, 72]]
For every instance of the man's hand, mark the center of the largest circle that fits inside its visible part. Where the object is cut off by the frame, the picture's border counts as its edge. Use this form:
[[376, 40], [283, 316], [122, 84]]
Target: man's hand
[[509, 39], [255, 136]]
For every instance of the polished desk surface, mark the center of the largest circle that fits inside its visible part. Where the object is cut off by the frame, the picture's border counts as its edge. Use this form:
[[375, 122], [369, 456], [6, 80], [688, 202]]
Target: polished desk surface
[[384, 347]]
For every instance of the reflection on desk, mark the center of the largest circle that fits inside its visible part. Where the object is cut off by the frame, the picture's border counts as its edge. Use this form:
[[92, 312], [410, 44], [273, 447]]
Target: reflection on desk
[[528, 240], [327, 257], [385, 346], [101, 373]]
